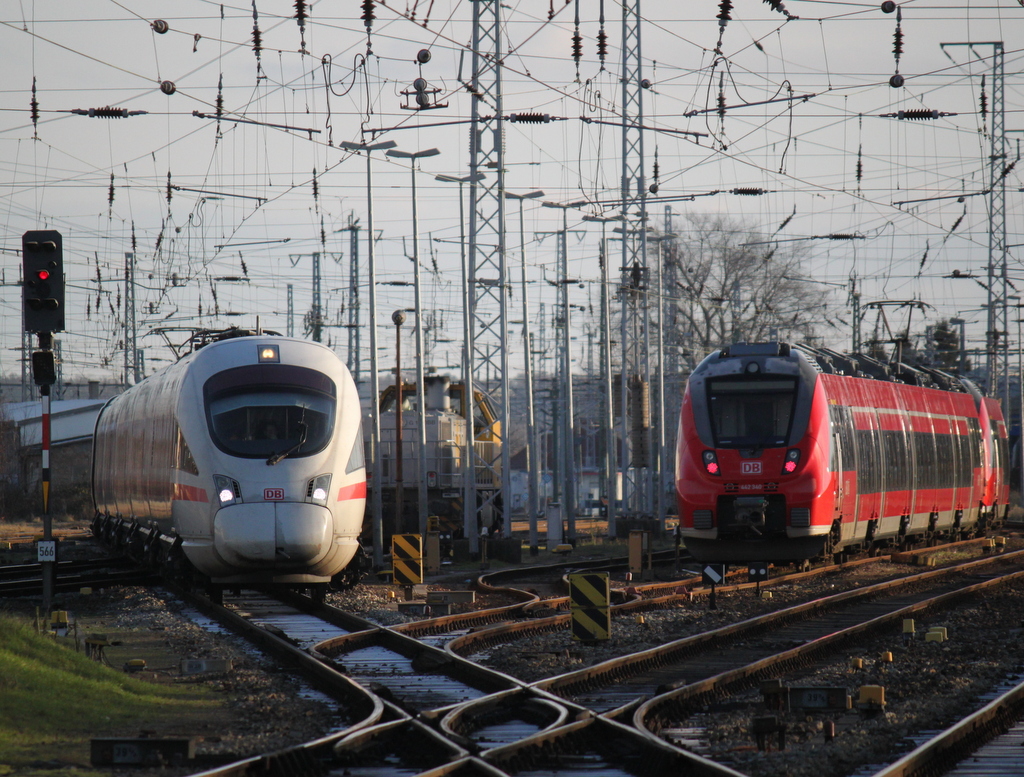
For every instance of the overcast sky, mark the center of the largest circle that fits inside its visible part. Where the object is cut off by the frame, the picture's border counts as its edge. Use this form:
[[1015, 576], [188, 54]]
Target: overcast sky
[[242, 187]]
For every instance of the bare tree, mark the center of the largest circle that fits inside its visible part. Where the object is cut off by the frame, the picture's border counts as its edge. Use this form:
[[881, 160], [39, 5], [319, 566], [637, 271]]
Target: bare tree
[[730, 284]]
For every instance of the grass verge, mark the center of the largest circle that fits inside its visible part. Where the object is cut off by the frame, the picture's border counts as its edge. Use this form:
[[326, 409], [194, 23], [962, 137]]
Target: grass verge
[[55, 700]]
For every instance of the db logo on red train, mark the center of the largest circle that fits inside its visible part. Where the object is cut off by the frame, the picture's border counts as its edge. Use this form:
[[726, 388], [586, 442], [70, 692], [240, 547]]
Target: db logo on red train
[[273, 494], [750, 467]]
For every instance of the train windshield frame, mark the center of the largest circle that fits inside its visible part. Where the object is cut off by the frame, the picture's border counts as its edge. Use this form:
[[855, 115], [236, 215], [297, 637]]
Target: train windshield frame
[[260, 410], [751, 412]]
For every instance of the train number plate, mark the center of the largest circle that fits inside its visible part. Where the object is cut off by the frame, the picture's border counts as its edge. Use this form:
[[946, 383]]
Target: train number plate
[[273, 494], [750, 467]]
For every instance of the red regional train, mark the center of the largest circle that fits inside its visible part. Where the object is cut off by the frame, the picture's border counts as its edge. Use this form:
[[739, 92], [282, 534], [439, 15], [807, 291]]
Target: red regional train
[[786, 453]]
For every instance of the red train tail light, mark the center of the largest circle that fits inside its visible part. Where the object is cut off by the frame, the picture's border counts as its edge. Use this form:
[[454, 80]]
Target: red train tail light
[[711, 463], [792, 459]]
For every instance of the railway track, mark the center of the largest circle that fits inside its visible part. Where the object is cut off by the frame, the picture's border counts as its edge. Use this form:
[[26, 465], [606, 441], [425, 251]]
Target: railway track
[[408, 684], [407, 704], [71, 576], [987, 743]]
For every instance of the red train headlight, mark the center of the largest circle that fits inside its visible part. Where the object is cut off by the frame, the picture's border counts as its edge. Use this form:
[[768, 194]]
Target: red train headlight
[[792, 459], [711, 463]]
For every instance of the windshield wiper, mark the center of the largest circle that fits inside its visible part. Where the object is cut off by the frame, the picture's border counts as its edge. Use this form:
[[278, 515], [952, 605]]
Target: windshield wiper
[[275, 458]]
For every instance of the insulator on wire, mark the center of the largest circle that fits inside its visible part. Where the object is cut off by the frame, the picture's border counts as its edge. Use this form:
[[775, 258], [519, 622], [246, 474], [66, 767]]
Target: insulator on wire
[[577, 40], [110, 191], [34, 109], [843, 236], [316, 188], [160, 26], [368, 14], [107, 112], [721, 96], [257, 38], [896, 80], [168, 87], [168, 187], [724, 15], [602, 45], [219, 103], [916, 114], [748, 191], [529, 118], [860, 166], [776, 5], [983, 100], [300, 17], [135, 246]]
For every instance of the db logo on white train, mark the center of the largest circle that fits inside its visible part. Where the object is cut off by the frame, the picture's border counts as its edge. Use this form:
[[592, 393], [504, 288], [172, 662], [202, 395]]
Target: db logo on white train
[[750, 467], [273, 494]]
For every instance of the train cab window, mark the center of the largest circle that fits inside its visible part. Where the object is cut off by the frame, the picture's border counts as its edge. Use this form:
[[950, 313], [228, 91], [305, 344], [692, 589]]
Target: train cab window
[[751, 412], [257, 411]]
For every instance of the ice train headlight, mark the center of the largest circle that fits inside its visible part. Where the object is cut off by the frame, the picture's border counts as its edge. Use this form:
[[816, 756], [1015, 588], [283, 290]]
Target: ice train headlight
[[228, 492], [317, 489], [792, 459]]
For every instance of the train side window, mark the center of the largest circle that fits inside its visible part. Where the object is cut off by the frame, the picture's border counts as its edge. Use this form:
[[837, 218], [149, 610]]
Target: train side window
[[355, 459], [183, 456]]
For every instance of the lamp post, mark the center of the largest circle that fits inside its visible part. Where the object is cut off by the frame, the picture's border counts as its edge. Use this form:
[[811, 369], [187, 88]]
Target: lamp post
[[569, 449], [661, 462], [532, 464], [376, 506], [413, 157], [399, 318], [468, 507], [611, 485]]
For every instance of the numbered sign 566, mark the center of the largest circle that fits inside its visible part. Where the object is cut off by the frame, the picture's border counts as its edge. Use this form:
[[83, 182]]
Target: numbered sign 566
[[46, 550]]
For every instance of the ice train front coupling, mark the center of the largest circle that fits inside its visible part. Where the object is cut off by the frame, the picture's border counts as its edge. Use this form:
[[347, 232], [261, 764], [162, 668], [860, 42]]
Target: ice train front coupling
[[248, 453], [785, 453]]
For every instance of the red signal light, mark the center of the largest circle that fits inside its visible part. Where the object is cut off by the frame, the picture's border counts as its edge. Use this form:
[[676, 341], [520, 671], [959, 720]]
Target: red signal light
[[792, 459], [712, 467], [42, 274]]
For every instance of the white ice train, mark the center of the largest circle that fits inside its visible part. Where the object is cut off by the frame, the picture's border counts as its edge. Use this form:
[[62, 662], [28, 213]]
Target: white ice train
[[246, 456]]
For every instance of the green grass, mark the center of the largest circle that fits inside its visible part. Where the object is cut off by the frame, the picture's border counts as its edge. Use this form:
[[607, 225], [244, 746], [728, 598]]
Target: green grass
[[53, 700]]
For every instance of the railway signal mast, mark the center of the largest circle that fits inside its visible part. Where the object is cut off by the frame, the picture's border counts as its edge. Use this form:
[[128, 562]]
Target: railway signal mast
[[43, 313]]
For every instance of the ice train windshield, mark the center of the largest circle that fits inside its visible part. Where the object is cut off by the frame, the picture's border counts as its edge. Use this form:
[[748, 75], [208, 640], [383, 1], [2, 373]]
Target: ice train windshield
[[257, 411]]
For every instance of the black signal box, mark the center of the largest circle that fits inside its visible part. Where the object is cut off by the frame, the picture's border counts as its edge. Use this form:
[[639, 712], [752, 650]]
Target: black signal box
[[43, 281]]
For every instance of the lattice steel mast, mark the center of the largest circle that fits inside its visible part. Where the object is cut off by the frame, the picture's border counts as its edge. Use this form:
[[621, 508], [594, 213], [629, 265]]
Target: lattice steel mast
[[487, 368], [997, 341], [636, 372]]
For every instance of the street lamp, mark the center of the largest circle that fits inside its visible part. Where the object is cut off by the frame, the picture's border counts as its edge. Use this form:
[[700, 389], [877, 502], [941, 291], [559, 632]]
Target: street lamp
[[533, 465], [611, 486], [413, 157], [376, 507], [468, 464], [569, 455], [398, 317]]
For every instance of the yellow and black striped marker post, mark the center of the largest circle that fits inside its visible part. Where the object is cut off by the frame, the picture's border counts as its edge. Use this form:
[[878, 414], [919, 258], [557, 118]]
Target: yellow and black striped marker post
[[407, 559], [589, 600]]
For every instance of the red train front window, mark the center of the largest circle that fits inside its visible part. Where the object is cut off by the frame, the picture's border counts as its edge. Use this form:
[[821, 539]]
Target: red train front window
[[752, 411]]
